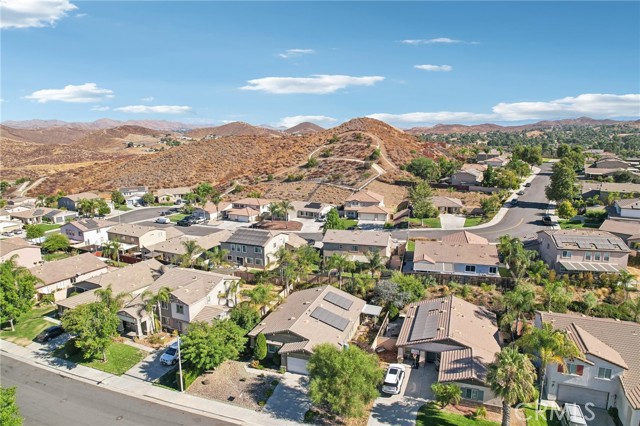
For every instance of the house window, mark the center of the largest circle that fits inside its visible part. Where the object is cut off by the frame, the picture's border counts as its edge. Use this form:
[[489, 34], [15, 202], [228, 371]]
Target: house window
[[566, 254], [605, 257], [164, 305], [257, 250], [597, 256], [340, 246], [239, 260], [73, 280], [164, 321], [272, 349], [354, 248], [244, 249], [470, 268], [258, 261], [229, 257], [572, 369], [604, 373], [587, 256], [233, 247], [179, 309], [472, 394], [249, 260], [493, 270]]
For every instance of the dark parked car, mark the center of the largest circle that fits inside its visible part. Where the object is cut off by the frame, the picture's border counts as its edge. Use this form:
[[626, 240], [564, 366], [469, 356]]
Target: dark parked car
[[186, 221], [527, 185], [50, 333], [514, 202]]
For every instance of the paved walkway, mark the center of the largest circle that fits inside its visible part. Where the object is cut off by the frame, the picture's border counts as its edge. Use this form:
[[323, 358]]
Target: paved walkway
[[137, 388]]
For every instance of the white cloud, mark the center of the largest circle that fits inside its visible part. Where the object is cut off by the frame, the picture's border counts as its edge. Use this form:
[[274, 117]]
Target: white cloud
[[157, 109], [591, 105], [33, 13], [445, 68], [84, 93], [439, 40], [100, 108], [316, 84], [147, 99], [297, 119], [291, 53]]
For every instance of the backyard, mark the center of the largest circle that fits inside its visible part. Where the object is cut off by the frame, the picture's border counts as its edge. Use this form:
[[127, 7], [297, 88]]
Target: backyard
[[120, 358], [431, 415], [28, 326]]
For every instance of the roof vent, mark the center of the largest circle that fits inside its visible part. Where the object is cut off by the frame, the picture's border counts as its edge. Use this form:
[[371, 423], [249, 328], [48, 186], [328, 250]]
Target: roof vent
[[292, 318]]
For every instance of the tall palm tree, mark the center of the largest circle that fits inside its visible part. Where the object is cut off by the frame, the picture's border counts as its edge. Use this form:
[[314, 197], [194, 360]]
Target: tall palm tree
[[285, 261], [341, 263], [192, 250], [261, 296], [519, 301], [515, 255], [232, 291], [549, 346], [511, 377], [217, 257], [375, 264], [153, 300], [556, 294], [274, 210], [216, 199], [111, 249], [111, 301], [286, 207], [625, 281]]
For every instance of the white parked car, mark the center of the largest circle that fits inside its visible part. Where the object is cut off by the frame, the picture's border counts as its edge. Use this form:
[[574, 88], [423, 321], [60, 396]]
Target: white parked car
[[164, 220], [393, 379], [170, 356], [572, 415]]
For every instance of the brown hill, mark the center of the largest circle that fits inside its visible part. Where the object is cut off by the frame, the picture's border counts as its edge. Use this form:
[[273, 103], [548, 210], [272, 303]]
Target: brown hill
[[237, 128], [115, 139], [304, 129], [51, 135], [103, 123]]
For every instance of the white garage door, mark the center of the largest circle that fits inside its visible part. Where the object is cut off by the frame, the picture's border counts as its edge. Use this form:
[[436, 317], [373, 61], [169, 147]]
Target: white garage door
[[582, 396], [297, 365]]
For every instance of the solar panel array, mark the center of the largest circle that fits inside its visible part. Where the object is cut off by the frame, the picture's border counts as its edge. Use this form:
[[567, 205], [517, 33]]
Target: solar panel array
[[313, 205], [425, 325], [251, 237], [329, 318], [338, 300], [587, 242], [91, 224]]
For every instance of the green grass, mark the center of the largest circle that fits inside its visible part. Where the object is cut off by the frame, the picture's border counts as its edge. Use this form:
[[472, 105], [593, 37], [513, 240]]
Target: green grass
[[430, 222], [347, 223], [411, 245], [123, 208], [473, 221], [431, 415], [55, 256], [569, 224], [176, 217], [49, 226], [168, 380], [28, 326], [120, 358], [540, 419]]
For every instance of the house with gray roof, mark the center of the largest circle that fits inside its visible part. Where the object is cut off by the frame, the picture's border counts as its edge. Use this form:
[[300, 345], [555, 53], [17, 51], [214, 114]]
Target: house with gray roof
[[626, 229], [628, 208], [574, 251], [458, 337], [133, 237], [173, 250], [257, 248], [608, 372], [356, 244], [311, 210], [32, 216], [467, 177], [308, 318], [171, 195], [70, 202], [447, 204], [88, 231]]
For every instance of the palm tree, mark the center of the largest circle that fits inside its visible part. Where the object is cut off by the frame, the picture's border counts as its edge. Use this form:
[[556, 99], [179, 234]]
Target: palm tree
[[511, 377], [40, 201], [375, 264], [153, 300], [285, 261], [556, 294], [274, 210], [625, 281], [216, 199], [261, 296], [217, 257], [232, 291], [106, 297], [518, 301], [86, 206], [515, 255], [341, 263], [286, 207], [192, 250], [111, 249], [548, 346]]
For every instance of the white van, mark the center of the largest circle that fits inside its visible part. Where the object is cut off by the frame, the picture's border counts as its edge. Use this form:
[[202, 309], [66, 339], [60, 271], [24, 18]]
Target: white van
[[572, 416], [164, 220]]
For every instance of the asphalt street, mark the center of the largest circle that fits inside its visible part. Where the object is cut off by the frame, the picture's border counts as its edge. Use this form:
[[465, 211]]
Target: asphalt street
[[49, 399], [522, 220]]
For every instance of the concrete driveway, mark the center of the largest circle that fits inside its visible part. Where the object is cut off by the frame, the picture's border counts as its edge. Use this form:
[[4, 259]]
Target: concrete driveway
[[308, 225], [51, 345], [452, 221], [601, 417], [150, 368], [289, 401]]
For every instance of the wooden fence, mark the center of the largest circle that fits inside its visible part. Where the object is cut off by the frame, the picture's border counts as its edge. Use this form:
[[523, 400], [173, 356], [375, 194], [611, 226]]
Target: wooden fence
[[381, 331]]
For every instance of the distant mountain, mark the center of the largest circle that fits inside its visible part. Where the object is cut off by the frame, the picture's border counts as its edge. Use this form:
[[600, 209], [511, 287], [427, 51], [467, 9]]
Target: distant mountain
[[103, 123], [304, 129], [237, 128]]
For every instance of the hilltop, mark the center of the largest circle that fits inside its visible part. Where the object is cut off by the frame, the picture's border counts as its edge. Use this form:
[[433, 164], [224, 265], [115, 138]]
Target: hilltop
[[237, 128], [304, 129]]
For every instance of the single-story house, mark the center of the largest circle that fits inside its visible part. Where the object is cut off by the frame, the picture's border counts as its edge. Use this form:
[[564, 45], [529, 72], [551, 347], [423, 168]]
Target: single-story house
[[497, 162], [447, 204], [60, 216], [628, 208], [244, 214], [603, 189], [27, 255], [32, 216], [173, 250], [88, 231], [628, 230], [310, 210], [355, 244], [171, 195], [133, 237], [611, 163], [468, 177], [70, 202]]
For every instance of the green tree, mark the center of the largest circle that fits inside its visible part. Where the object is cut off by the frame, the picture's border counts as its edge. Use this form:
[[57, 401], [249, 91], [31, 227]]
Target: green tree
[[102, 207], [17, 290], [94, 325], [519, 301], [420, 197], [566, 210], [333, 220], [206, 346], [9, 413], [261, 296], [490, 177], [375, 263], [203, 193], [590, 301], [216, 199], [111, 249], [507, 179], [511, 378], [491, 205], [343, 380], [275, 210], [34, 231], [424, 168], [312, 162], [245, 315], [515, 255], [191, 251], [152, 301], [56, 242], [260, 350], [117, 198], [40, 201], [217, 257], [148, 199], [412, 285], [556, 296], [446, 393], [340, 263], [563, 183], [4, 185], [632, 307], [87, 207], [285, 208]]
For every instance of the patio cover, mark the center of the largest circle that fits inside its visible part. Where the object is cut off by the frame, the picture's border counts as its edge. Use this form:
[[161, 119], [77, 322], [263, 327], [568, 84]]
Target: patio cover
[[591, 267]]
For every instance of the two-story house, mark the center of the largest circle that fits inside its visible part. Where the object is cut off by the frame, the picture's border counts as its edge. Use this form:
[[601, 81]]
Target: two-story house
[[461, 254], [27, 255], [356, 244], [491, 153], [70, 202], [460, 338], [257, 248], [134, 237], [367, 206], [608, 375], [498, 162], [576, 250], [87, 231], [133, 194]]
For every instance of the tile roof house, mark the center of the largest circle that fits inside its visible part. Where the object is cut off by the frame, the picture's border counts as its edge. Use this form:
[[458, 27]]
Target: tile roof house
[[32, 216], [578, 250], [134, 237], [628, 208], [256, 248], [60, 275], [310, 210], [88, 231], [307, 318], [464, 237], [628, 230], [261, 205], [468, 177], [173, 250], [608, 375], [213, 211], [366, 205], [447, 204], [27, 255], [70, 202], [603, 189], [492, 153], [497, 162], [244, 214], [459, 337], [171, 195], [355, 244]]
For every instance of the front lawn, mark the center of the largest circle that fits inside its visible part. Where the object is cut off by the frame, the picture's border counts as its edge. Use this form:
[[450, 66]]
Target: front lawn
[[577, 224], [176, 217], [120, 358], [429, 222], [431, 415], [28, 326], [48, 226], [347, 223], [411, 245], [123, 208], [542, 418], [473, 221]]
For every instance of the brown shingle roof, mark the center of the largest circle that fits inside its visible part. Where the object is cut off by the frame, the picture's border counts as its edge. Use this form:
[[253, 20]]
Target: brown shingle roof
[[28, 214], [245, 211], [629, 203], [82, 196], [464, 237], [369, 209], [446, 253], [173, 191], [91, 224], [439, 201], [366, 196], [209, 313], [60, 270], [254, 201], [363, 238]]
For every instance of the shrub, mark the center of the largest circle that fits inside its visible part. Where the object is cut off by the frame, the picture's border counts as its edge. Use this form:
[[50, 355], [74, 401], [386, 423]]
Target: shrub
[[480, 413], [260, 350], [309, 416], [268, 393], [282, 370], [190, 376], [596, 214], [275, 382], [48, 299], [446, 393], [312, 162]]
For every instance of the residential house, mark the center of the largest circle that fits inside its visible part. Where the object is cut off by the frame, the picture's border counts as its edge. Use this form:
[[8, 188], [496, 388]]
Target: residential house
[[172, 251], [497, 162], [627, 230], [460, 254], [308, 318], [628, 208], [468, 177], [577, 250], [261, 205], [611, 163], [483, 156], [28, 202], [474, 166], [26, 255], [32, 216], [447, 204], [245, 214], [4, 215], [59, 217], [608, 373], [60, 275], [172, 195], [70, 202], [257, 248], [88, 231], [134, 237], [217, 212], [355, 244], [310, 210], [134, 194], [367, 206], [603, 189], [460, 338]]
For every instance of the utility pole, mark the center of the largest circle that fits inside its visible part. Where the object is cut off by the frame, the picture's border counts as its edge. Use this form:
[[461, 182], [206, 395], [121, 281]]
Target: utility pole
[[180, 366]]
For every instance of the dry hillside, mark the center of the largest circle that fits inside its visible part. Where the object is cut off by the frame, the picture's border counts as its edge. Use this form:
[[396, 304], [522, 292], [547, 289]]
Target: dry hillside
[[237, 128], [304, 129], [51, 135]]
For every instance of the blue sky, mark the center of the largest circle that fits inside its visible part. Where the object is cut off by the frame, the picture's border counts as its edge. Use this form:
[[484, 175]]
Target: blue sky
[[278, 63]]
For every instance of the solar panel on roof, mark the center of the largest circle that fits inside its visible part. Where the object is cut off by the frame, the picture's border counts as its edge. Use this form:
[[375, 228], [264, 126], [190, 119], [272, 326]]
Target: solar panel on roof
[[338, 300], [313, 205], [329, 318], [425, 325]]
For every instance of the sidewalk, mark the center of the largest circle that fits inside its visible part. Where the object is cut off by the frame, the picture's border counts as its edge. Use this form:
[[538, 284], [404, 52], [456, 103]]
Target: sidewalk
[[143, 390]]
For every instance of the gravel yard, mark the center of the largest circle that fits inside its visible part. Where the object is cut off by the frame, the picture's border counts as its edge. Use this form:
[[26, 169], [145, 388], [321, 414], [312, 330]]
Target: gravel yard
[[232, 383]]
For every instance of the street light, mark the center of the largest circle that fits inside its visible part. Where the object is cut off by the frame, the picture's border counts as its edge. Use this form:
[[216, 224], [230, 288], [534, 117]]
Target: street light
[[180, 366]]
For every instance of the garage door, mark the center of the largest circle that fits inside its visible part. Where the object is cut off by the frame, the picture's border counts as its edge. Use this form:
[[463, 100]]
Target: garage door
[[582, 396], [297, 365]]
